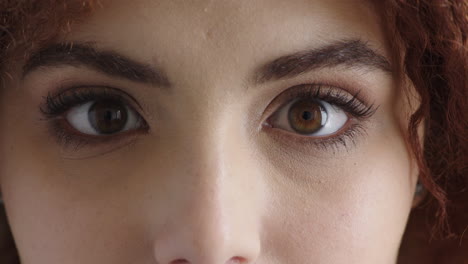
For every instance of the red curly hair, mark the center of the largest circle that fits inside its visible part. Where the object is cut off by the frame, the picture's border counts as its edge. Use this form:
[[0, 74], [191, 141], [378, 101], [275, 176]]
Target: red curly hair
[[433, 37], [428, 38]]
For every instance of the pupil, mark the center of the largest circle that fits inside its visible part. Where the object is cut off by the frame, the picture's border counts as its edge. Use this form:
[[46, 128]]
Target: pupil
[[107, 117], [307, 115]]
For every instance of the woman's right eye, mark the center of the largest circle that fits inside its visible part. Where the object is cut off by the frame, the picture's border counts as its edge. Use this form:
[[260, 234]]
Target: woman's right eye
[[103, 118]]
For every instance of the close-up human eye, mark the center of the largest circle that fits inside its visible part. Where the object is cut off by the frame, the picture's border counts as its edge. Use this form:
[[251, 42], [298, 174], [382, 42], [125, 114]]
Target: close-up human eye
[[316, 112], [77, 115], [103, 118], [310, 117]]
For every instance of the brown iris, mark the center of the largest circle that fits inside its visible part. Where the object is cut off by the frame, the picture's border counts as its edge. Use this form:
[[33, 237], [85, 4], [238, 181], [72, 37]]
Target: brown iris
[[305, 116], [108, 117]]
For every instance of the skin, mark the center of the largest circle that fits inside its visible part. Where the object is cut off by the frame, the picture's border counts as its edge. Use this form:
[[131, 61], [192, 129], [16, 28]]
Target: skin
[[208, 183]]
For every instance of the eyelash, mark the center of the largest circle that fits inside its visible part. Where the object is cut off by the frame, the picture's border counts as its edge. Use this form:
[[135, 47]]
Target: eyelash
[[335, 96], [55, 107], [353, 105]]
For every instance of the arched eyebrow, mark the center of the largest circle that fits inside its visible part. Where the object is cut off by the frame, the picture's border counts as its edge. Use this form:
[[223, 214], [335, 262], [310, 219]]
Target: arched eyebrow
[[86, 54], [349, 53]]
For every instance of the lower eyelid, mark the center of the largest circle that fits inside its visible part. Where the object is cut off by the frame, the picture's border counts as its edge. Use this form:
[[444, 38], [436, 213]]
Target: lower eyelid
[[345, 137], [77, 147]]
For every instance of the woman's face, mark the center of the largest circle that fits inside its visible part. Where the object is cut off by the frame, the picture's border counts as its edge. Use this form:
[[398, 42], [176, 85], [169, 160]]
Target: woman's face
[[211, 132]]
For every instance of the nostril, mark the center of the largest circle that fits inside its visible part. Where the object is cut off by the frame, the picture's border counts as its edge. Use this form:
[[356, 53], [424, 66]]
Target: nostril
[[234, 260], [237, 260], [179, 261]]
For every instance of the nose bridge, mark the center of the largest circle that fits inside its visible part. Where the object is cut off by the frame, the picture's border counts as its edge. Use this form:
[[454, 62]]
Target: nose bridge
[[216, 219]]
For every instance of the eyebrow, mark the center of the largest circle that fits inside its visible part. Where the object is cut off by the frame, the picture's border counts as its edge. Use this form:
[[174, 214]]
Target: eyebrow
[[350, 53], [107, 62]]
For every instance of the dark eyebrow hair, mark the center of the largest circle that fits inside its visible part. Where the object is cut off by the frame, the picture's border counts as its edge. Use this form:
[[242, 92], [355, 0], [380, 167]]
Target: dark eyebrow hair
[[107, 62], [351, 53]]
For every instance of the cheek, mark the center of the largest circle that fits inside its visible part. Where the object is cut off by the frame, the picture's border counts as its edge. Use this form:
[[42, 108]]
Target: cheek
[[59, 212], [52, 223], [343, 210]]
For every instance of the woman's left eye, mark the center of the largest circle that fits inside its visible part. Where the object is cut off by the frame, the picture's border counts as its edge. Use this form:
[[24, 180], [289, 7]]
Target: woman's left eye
[[309, 116], [105, 117]]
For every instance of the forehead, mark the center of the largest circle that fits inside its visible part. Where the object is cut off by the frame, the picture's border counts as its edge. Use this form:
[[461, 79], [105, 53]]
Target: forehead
[[229, 34]]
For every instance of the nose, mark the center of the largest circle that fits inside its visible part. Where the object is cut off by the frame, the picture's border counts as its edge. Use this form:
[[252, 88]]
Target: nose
[[216, 211]]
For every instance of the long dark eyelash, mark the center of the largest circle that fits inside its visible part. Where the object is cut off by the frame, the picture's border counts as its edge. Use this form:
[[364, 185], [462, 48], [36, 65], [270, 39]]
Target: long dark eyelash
[[345, 139], [349, 103], [56, 105]]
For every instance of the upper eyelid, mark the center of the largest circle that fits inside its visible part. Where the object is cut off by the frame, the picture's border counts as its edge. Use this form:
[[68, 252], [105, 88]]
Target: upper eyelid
[[315, 90], [101, 90], [325, 90]]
